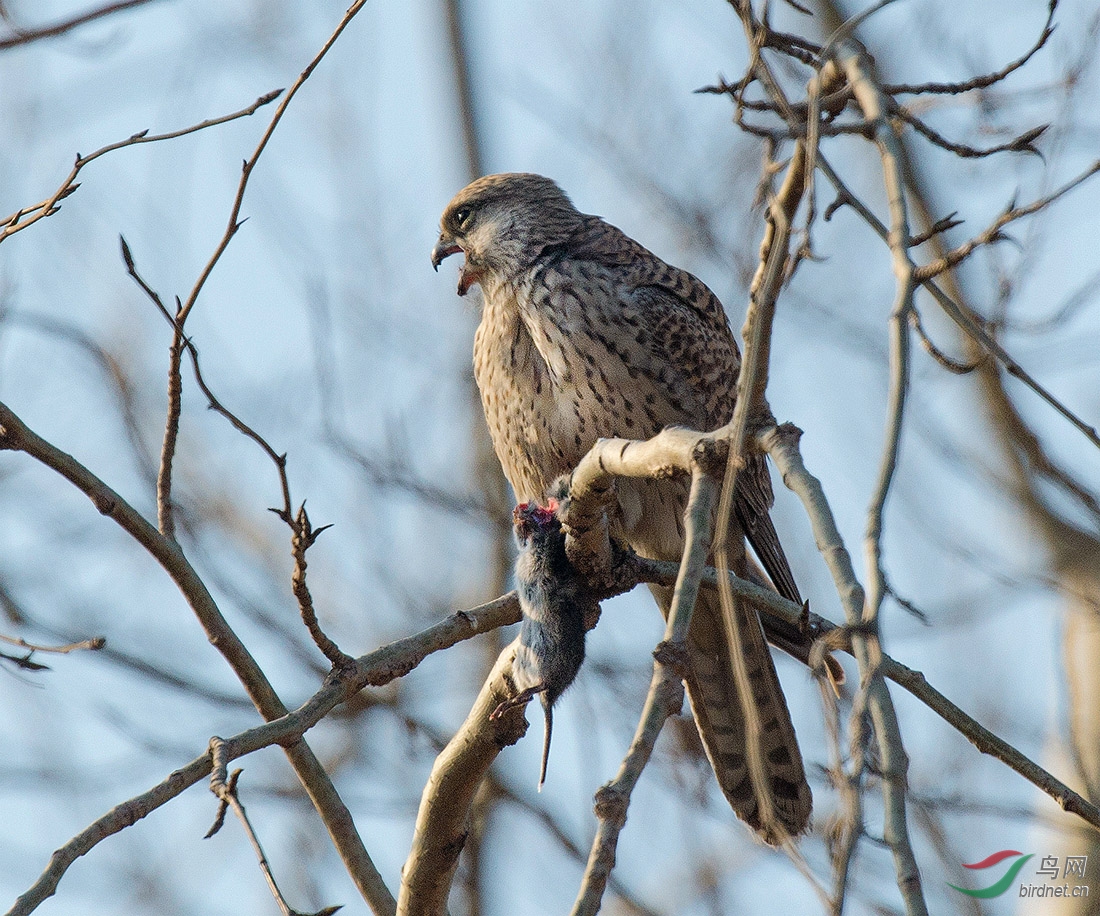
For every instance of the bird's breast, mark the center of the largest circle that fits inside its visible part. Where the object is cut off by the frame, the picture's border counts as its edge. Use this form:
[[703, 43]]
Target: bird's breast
[[559, 368]]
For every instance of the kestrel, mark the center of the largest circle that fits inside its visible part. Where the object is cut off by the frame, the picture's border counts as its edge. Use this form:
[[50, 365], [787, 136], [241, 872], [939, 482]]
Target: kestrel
[[586, 334]]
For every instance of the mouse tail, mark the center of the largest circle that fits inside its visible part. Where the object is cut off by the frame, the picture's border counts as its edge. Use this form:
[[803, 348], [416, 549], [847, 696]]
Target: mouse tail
[[548, 710]]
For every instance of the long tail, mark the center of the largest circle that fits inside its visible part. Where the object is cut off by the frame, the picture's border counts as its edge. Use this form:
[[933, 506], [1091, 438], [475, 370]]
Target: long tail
[[765, 541], [720, 717], [548, 711]]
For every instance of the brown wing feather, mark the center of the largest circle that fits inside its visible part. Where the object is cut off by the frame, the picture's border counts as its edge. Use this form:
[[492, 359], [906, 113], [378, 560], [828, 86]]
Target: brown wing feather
[[685, 332]]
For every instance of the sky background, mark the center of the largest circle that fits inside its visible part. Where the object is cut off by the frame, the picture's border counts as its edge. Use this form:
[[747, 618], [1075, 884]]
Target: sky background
[[324, 327]]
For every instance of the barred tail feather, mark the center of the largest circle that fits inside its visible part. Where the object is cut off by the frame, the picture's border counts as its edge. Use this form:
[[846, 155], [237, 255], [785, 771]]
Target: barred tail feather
[[719, 715]]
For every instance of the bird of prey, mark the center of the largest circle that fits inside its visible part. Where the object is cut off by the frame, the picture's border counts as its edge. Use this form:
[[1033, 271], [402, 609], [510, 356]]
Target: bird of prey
[[586, 334]]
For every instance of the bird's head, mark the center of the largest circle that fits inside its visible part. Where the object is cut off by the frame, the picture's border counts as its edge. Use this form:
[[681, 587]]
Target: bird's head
[[503, 223], [530, 519]]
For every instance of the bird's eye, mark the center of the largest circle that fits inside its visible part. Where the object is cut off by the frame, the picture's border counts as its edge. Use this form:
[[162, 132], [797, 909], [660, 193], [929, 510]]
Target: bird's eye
[[463, 217]]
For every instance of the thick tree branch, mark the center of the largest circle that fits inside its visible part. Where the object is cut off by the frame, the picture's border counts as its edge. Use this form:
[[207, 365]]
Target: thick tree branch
[[443, 819]]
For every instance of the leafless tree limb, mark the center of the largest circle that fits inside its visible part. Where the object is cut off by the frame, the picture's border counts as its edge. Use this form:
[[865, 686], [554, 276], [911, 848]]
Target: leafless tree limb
[[215, 404], [304, 536], [989, 743], [979, 82], [993, 233], [968, 320], [1024, 143], [15, 435], [666, 691], [27, 216], [953, 366], [495, 785], [382, 666], [235, 221], [26, 36], [224, 786], [866, 643], [441, 823], [372, 670], [93, 644]]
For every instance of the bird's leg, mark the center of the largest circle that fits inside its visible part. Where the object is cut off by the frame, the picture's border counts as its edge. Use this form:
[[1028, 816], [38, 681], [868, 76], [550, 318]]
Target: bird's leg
[[519, 699]]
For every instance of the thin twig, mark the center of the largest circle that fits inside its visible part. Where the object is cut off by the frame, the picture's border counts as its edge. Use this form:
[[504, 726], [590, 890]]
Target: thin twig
[[27, 216], [26, 36], [173, 411], [993, 232], [751, 404], [93, 644], [224, 787], [989, 743], [214, 403], [1024, 143], [235, 221], [303, 536], [183, 310], [978, 82], [954, 366]]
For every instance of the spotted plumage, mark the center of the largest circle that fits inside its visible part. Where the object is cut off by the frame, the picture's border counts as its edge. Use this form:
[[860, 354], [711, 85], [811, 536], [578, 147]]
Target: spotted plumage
[[586, 334]]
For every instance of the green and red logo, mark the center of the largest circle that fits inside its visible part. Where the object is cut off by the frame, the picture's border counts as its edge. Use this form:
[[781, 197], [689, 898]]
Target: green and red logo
[[1001, 885]]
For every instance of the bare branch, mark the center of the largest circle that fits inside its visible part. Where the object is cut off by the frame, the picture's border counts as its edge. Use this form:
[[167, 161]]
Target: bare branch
[[277, 458], [665, 696], [224, 788], [978, 82], [441, 822], [303, 536], [383, 665], [1024, 143], [993, 233], [374, 669], [26, 36], [15, 435], [970, 322], [951, 365], [989, 743], [235, 221], [93, 644], [868, 649], [23, 662], [27, 216], [171, 433]]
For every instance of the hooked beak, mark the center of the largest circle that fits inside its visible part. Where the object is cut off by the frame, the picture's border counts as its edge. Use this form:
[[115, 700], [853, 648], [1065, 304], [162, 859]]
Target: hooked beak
[[444, 248]]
